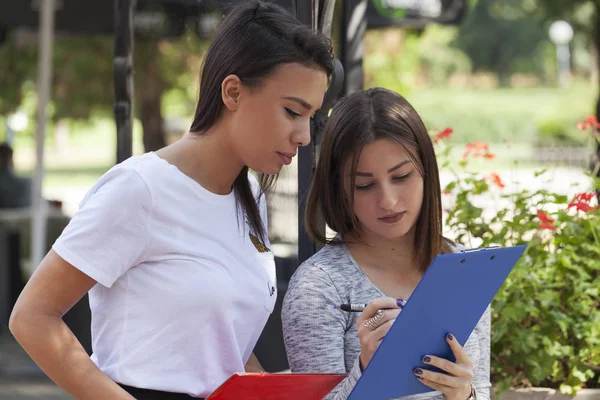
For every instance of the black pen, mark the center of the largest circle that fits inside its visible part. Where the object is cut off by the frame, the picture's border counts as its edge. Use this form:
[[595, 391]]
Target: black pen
[[360, 307]]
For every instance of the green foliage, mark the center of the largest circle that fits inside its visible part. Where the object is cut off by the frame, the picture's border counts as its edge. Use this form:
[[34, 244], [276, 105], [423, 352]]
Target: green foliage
[[546, 317], [83, 77], [554, 131], [501, 115], [392, 59], [504, 37], [18, 64], [438, 60]]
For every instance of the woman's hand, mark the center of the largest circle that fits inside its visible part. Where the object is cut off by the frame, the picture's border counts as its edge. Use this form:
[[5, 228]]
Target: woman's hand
[[456, 385], [373, 324]]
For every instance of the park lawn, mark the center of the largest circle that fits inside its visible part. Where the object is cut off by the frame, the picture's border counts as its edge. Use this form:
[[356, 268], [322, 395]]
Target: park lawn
[[504, 114]]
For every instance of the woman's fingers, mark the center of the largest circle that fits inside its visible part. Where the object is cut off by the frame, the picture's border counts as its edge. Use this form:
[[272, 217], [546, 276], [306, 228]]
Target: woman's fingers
[[456, 382], [459, 352], [383, 303], [383, 329], [442, 379], [448, 366], [375, 322], [448, 391]]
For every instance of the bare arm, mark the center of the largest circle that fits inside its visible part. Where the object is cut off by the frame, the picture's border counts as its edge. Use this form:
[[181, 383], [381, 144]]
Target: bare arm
[[36, 322], [253, 365]]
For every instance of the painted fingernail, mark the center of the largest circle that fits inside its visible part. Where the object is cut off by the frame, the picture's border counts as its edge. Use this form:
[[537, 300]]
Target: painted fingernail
[[420, 378], [418, 371], [400, 303], [450, 337], [426, 359]]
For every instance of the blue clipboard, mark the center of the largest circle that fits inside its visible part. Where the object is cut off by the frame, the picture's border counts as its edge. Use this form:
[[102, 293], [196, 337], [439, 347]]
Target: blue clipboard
[[451, 297]]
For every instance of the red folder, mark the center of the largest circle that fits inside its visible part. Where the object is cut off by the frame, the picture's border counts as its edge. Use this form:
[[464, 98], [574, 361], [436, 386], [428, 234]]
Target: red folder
[[276, 387]]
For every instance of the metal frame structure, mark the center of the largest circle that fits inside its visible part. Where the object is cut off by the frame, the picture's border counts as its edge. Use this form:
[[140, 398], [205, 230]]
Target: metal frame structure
[[123, 77], [319, 15]]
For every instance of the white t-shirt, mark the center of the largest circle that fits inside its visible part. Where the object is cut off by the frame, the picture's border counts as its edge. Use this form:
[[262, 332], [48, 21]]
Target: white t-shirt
[[183, 292]]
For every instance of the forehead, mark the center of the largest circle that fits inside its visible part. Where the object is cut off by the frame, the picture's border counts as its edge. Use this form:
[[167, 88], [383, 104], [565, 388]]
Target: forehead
[[297, 80], [381, 154]]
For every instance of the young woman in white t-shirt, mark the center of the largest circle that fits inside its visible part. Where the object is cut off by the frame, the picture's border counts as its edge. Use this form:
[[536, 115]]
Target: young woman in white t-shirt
[[172, 246]]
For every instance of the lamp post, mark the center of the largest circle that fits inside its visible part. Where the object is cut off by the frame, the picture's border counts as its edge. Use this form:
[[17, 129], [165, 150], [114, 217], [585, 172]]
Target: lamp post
[[561, 34], [17, 122]]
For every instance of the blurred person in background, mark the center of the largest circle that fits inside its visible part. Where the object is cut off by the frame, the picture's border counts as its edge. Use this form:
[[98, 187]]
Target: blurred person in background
[[15, 191]]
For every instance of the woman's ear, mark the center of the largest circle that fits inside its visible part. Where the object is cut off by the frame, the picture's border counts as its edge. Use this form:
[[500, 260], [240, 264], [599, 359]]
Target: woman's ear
[[230, 92]]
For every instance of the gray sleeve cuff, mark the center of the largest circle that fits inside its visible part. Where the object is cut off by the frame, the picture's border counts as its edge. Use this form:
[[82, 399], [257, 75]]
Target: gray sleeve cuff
[[482, 393], [343, 390]]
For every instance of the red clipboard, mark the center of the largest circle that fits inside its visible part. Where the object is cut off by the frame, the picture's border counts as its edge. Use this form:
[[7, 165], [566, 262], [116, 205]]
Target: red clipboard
[[263, 386]]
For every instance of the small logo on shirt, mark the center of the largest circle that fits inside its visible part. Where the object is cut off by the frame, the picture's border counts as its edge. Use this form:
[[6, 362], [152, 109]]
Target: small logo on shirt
[[258, 244]]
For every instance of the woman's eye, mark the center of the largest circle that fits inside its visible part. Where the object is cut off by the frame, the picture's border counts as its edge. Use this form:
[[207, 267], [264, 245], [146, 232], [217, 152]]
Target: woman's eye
[[363, 187], [291, 113], [401, 177]]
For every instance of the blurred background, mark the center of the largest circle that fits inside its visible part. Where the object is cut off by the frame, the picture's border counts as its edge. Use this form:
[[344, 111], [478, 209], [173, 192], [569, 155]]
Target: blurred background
[[493, 78]]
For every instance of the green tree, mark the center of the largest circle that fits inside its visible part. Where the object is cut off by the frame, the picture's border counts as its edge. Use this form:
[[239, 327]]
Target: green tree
[[585, 16], [502, 35], [83, 77]]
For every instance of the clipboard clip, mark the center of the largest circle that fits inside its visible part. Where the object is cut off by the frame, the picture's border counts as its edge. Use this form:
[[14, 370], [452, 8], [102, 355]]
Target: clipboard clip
[[480, 249]]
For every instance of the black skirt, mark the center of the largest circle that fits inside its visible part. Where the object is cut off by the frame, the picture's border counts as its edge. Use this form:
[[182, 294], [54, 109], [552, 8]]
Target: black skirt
[[147, 394]]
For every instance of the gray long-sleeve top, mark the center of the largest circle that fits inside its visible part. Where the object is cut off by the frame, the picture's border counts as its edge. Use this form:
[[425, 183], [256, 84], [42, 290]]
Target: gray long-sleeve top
[[321, 339]]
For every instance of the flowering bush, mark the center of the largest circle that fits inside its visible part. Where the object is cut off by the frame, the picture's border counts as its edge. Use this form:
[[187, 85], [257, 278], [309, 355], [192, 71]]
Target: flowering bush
[[546, 317]]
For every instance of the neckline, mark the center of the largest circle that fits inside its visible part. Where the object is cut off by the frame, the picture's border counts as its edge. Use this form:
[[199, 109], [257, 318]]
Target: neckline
[[360, 271], [219, 199]]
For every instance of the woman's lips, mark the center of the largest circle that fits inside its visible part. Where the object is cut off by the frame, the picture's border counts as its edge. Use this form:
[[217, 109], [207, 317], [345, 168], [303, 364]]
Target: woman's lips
[[392, 218]]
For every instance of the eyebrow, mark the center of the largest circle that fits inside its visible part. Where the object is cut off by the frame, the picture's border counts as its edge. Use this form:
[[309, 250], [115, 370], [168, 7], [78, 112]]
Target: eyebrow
[[389, 170], [299, 101]]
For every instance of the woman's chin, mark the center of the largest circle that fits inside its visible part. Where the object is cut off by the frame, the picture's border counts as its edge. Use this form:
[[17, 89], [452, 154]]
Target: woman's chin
[[267, 170], [394, 233]]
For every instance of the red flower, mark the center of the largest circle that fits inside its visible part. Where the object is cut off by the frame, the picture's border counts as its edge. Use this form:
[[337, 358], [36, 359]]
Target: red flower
[[581, 202], [589, 122], [547, 222], [582, 207], [495, 178], [545, 225], [587, 197], [478, 149], [446, 133], [544, 217]]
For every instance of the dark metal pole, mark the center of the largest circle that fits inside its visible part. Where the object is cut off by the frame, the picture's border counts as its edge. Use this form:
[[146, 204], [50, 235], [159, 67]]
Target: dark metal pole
[[123, 77], [304, 12], [354, 27], [318, 14]]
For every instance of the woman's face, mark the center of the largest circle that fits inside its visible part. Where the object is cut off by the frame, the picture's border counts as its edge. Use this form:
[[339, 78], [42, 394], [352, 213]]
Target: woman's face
[[273, 120], [388, 192]]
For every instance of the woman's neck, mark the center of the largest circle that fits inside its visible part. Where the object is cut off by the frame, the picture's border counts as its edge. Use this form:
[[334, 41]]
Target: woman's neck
[[394, 255], [208, 159], [389, 264]]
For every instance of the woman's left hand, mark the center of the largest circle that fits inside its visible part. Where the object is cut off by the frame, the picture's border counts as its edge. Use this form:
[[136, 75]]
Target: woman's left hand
[[456, 385]]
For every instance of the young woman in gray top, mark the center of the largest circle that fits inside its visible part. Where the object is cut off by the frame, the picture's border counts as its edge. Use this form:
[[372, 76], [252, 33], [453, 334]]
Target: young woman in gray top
[[377, 186]]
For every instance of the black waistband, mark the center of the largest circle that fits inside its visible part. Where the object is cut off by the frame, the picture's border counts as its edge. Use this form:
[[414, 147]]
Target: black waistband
[[147, 394]]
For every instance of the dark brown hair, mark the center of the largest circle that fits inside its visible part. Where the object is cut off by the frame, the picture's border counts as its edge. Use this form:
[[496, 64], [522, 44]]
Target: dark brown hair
[[355, 121], [252, 41]]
